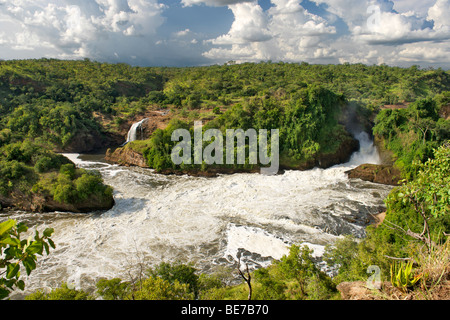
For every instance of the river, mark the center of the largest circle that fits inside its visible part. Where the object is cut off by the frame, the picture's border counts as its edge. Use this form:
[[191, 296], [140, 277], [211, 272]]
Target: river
[[203, 221]]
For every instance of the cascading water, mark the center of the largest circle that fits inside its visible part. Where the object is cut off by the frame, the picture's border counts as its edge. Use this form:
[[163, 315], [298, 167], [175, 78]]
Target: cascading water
[[134, 130], [367, 153], [206, 221]]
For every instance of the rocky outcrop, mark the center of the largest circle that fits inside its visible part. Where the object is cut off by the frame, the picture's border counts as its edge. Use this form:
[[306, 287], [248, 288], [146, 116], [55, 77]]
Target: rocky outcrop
[[384, 174], [36, 202], [359, 290], [126, 157], [444, 112], [154, 120], [342, 155], [90, 205]]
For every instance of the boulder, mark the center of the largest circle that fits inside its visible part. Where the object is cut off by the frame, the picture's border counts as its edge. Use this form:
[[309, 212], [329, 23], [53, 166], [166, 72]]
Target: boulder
[[384, 174], [126, 157]]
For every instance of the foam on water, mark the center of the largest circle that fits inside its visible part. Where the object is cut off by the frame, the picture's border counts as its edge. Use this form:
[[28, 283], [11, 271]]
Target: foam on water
[[207, 221]]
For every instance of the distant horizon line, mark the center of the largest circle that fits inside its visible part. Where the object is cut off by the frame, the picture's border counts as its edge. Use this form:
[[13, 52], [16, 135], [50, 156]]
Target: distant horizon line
[[232, 62]]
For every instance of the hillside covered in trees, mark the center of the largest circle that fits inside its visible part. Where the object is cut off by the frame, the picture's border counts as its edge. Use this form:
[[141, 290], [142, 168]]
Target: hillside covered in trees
[[55, 101]]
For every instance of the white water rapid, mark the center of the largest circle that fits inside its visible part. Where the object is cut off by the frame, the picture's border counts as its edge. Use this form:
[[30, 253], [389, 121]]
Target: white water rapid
[[206, 221]]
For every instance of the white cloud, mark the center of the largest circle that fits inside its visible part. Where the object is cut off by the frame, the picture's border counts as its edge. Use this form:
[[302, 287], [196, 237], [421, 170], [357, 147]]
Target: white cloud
[[284, 32], [85, 28], [213, 3], [368, 31], [182, 33], [428, 52], [440, 14], [250, 25], [376, 32], [377, 21], [392, 28], [419, 7]]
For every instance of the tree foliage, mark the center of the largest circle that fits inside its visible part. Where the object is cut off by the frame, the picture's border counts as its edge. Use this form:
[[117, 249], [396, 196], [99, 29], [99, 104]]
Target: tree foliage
[[412, 133], [417, 216], [17, 253]]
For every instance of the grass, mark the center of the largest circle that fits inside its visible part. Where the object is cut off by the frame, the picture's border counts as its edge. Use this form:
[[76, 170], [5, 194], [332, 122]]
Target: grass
[[138, 145], [435, 268]]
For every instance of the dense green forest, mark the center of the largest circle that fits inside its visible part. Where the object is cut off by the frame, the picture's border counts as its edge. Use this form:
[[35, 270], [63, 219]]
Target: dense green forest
[[51, 101], [46, 105]]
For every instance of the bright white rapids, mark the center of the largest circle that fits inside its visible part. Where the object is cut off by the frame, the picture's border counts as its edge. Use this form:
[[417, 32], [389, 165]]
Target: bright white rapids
[[206, 221]]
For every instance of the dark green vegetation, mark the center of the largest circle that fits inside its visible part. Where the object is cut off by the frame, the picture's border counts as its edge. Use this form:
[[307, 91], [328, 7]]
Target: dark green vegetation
[[51, 105], [36, 179], [54, 101], [308, 123], [413, 133]]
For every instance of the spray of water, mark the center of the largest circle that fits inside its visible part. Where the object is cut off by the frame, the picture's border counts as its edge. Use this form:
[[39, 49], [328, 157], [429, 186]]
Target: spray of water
[[367, 153]]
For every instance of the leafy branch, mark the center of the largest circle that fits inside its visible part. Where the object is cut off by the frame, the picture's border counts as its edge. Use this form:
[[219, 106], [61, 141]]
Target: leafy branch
[[15, 253]]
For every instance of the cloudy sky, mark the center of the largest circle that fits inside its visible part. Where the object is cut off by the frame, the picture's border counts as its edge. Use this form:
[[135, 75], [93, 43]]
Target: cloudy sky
[[205, 32]]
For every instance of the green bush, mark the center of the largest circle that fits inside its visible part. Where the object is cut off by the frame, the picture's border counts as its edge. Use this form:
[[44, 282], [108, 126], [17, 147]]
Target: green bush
[[43, 164], [16, 254], [62, 293], [182, 273], [114, 289], [156, 288], [68, 169], [64, 191], [90, 183]]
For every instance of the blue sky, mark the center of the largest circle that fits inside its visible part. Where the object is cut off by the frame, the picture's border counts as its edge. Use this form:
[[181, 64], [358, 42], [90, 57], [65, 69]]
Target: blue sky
[[205, 32]]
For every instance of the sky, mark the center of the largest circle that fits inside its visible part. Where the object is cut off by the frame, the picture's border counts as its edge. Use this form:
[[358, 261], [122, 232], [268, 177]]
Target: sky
[[207, 32]]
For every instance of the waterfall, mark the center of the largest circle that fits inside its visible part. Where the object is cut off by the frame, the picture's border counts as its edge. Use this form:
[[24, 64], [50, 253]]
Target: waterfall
[[367, 153], [133, 132]]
